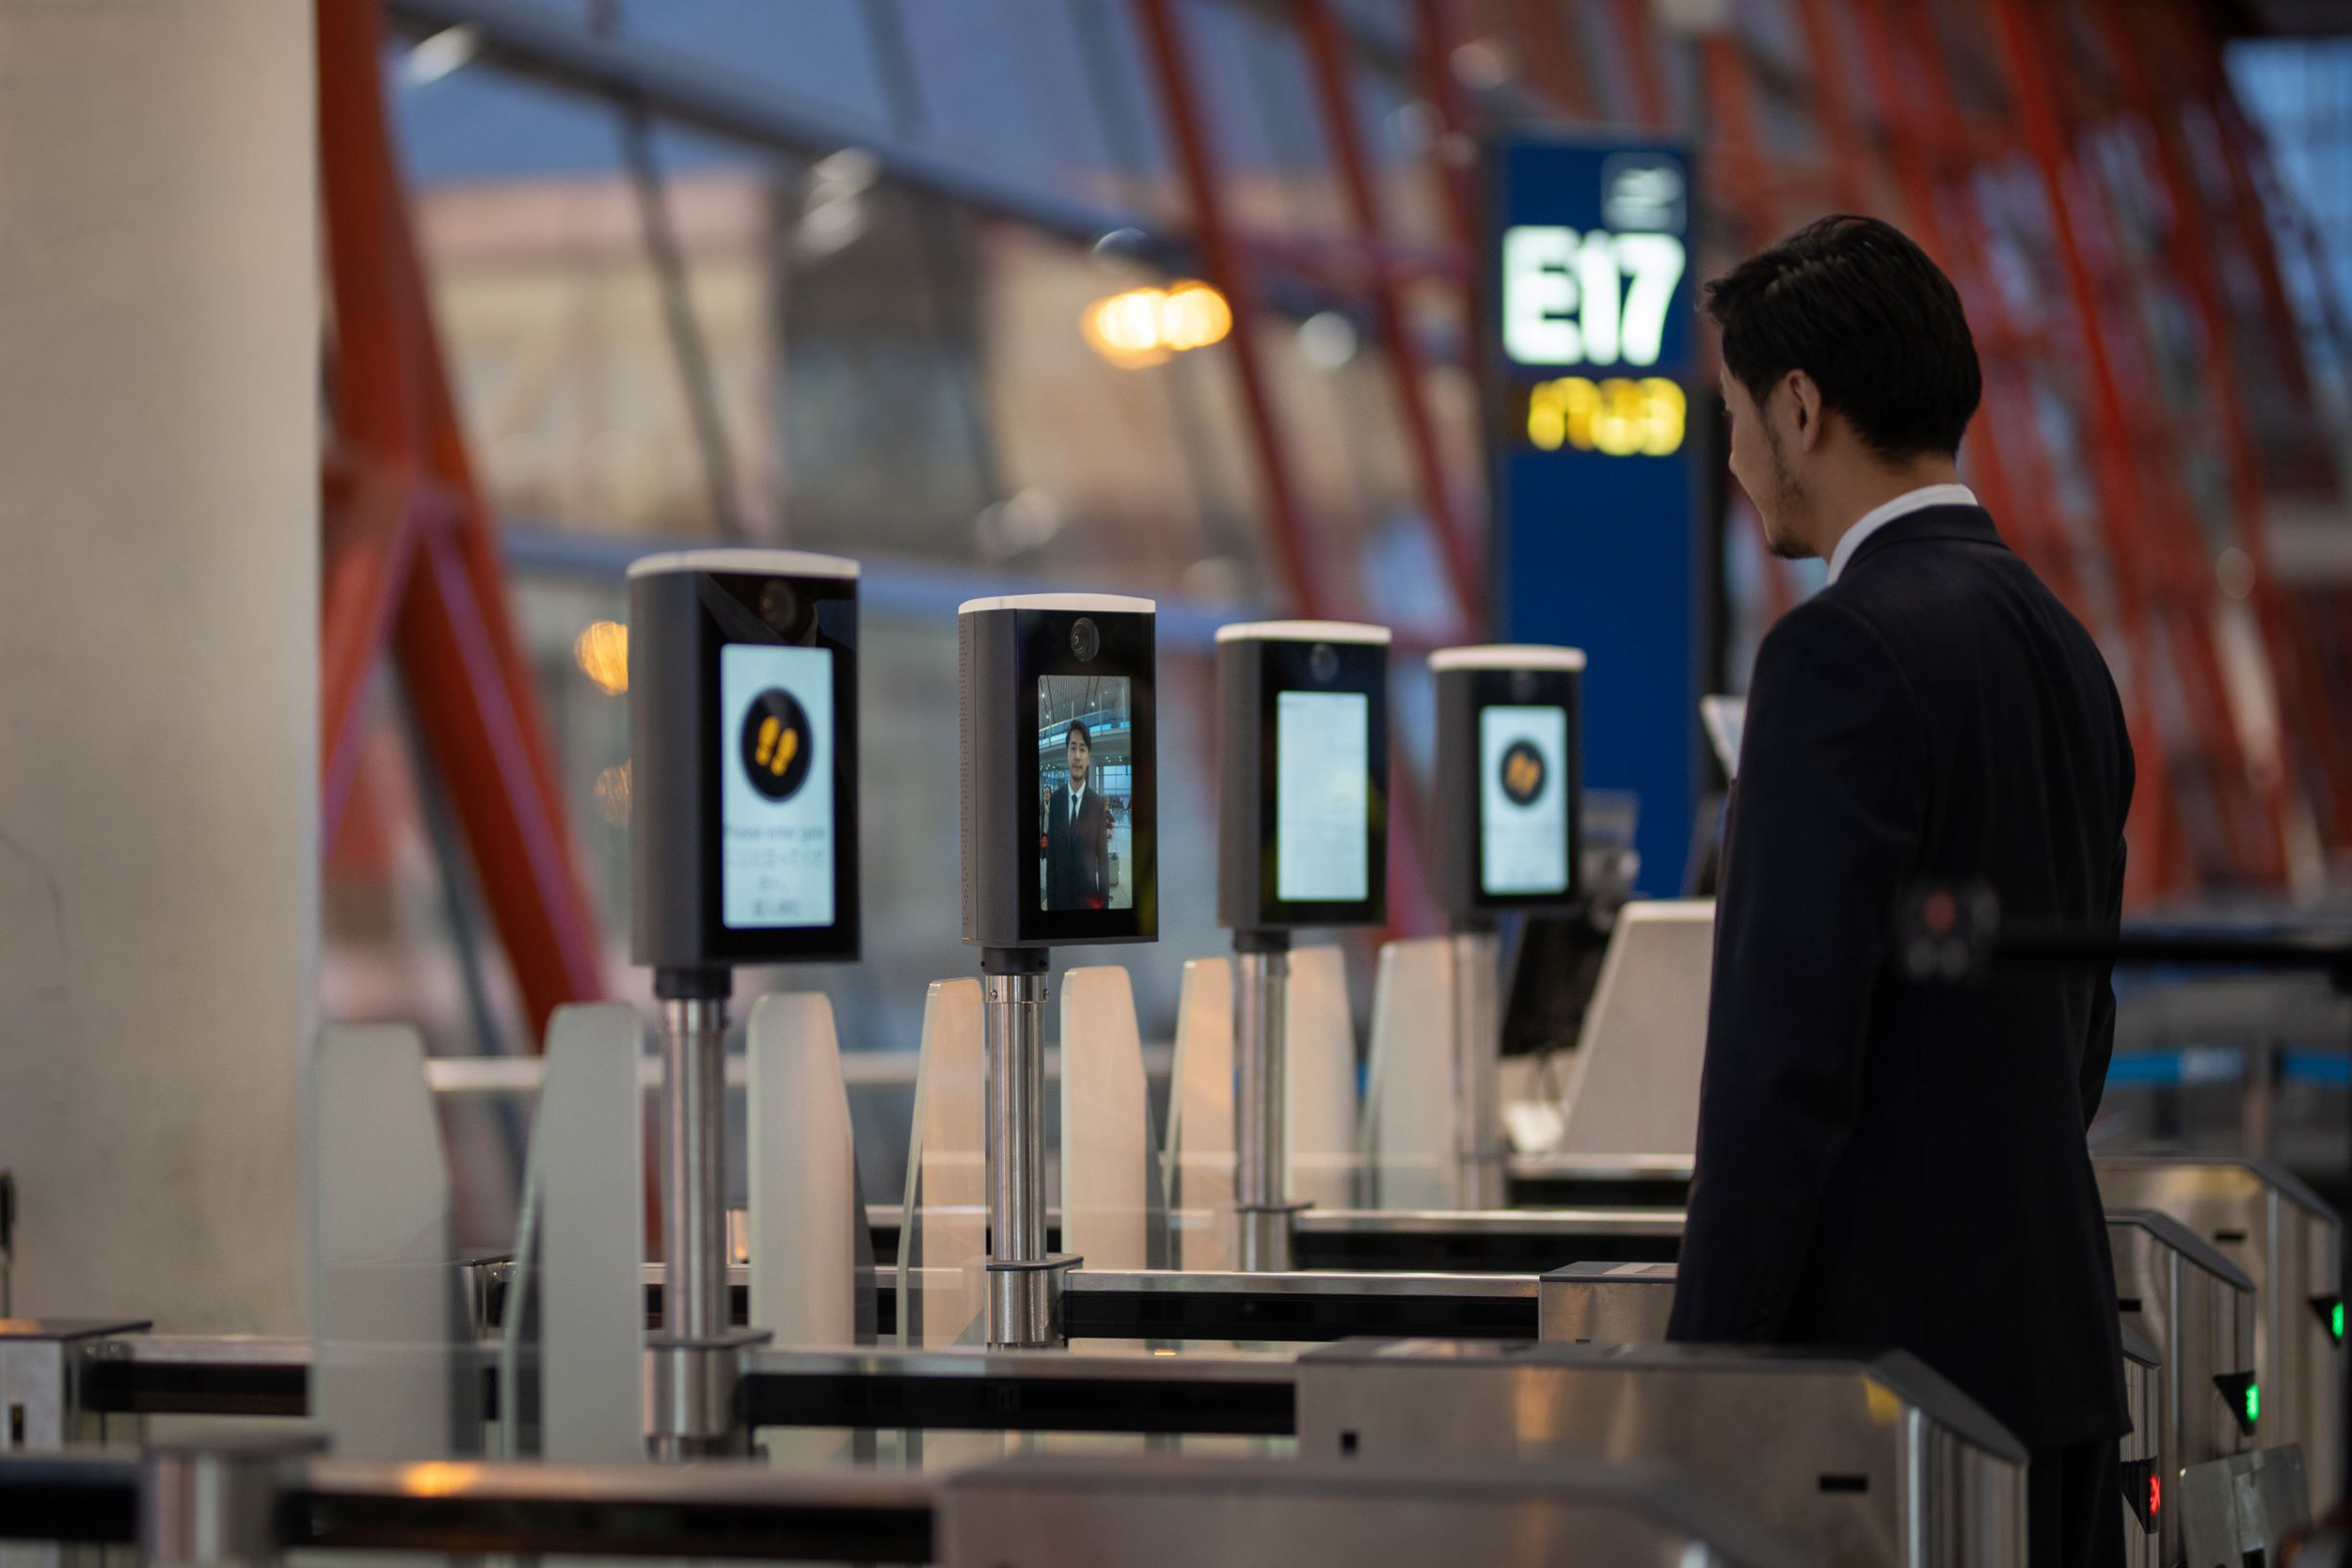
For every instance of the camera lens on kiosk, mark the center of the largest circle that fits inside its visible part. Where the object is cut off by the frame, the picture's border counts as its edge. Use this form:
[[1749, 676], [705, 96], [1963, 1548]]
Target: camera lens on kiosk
[[1085, 641], [780, 607]]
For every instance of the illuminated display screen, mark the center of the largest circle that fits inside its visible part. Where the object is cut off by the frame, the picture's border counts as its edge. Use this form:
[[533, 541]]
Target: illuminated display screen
[[776, 806], [1591, 361], [1086, 790], [1522, 800], [1591, 298], [1616, 416], [1322, 796]]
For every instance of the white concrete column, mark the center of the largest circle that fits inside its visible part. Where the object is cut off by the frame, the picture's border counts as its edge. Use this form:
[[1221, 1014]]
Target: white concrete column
[[159, 590]]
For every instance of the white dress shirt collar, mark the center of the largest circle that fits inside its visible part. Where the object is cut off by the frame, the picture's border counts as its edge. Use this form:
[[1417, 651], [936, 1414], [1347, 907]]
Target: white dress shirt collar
[[1902, 506], [1077, 797]]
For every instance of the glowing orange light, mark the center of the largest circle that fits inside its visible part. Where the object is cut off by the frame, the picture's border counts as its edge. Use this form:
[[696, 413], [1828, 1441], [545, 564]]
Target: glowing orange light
[[1148, 326], [437, 1478], [602, 654]]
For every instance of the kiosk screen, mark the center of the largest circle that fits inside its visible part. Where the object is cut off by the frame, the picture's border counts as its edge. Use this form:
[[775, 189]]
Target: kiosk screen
[[1323, 796], [1523, 800], [1085, 793], [776, 806]]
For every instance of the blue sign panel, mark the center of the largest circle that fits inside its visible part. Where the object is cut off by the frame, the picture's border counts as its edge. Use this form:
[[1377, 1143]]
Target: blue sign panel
[[1591, 347]]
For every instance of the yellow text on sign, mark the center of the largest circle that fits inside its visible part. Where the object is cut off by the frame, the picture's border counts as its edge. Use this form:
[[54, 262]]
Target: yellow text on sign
[[1619, 417]]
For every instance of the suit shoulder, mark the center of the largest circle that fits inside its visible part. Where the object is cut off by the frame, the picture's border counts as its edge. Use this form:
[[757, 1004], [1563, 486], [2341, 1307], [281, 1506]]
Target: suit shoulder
[[1827, 626]]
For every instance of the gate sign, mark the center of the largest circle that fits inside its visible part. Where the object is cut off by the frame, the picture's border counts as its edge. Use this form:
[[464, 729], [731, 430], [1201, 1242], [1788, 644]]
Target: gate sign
[[1590, 351]]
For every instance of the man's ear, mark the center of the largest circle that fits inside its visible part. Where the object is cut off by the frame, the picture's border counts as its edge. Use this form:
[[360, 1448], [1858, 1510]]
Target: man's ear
[[1805, 404]]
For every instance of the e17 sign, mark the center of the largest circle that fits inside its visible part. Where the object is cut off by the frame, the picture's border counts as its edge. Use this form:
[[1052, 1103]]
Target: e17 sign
[[1589, 353]]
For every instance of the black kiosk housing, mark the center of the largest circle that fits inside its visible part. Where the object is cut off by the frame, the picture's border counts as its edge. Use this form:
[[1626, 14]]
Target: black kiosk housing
[[1030, 670], [1327, 865], [742, 707], [1510, 778]]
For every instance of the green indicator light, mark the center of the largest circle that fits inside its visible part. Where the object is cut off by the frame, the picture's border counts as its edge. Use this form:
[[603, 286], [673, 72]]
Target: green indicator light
[[2254, 1400], [2335, 1322]]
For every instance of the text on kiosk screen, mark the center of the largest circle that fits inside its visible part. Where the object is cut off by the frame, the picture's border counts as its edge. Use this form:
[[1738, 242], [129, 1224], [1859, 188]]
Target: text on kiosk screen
[[1522, 800], [1085, 793], [1322, 784], [775, 807]]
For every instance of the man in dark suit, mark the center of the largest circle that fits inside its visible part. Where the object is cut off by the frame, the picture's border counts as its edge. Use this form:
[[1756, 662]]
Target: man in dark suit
[[1077, 832], [1883, 1163]]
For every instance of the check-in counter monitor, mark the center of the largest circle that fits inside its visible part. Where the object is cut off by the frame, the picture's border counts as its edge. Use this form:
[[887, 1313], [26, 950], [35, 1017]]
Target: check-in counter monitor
[[1509, 777], [1060, 781], [743, 688], [1303, 774]]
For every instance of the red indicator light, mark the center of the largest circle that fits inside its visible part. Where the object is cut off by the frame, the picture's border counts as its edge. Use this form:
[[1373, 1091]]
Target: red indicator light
[[2155, 1493]]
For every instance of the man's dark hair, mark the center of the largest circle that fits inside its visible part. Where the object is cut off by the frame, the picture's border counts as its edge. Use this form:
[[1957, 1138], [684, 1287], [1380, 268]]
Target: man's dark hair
[[1856, 305], [1078, 728]]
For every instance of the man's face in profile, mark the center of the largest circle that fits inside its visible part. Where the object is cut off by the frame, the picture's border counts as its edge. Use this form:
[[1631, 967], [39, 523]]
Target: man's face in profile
[[1080, 756]]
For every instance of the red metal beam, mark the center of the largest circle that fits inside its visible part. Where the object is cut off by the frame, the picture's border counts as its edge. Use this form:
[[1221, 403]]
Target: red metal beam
[[364, 575], [1908, 149], [1550, 64], [1327, 56], [2113, 472], [1840, 129], [1434, 57], [2313, 747], [468, 682], [1650, 103], [1228, 270], [2179, 561]]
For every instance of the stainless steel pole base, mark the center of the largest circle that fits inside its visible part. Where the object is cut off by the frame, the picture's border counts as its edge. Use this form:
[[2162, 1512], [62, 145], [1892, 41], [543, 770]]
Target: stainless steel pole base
[[1481, 1152], [693, 1357], [1262, 1232], [693, 1394], [1023, 1296], [1262, 1206], [1025, 1303], [210, 1501]]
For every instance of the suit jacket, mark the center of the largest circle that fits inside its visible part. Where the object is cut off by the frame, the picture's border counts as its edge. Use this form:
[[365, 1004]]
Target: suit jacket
[[1077, 855], [1883, 1163]]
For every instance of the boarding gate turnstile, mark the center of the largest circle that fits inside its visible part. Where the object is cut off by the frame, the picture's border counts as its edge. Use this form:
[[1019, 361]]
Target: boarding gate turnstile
[[1629, 1303], [1897, 1465], [2183, 1298], [1939, 1477], [2285, 1236], [255, 1501]]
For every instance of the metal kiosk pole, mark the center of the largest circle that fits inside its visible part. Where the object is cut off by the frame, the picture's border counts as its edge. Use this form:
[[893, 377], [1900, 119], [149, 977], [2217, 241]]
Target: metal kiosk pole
[[1478, 1142], [742, 686], [1023, 1294], [695, 1356], [1261, 1203]]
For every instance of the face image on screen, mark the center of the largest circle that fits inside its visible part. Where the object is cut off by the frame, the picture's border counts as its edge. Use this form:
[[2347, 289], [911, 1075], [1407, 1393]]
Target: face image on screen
[[775, 798], [1523, 800], [1322, 797], [1085, 793]]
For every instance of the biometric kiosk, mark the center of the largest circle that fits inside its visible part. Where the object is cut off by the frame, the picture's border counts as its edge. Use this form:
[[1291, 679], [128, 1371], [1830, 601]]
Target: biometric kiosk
[[1057, 850], [1302, 842], [1510, 778], [743, 780]]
